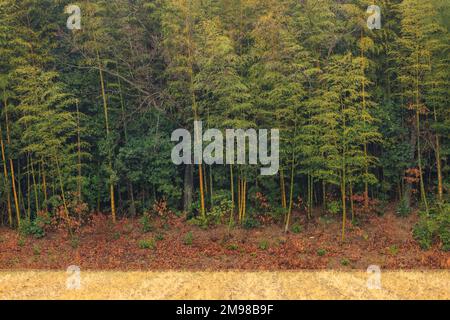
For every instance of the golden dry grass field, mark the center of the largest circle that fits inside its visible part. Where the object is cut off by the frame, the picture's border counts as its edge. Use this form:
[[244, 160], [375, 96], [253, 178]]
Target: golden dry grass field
[[229, 285]]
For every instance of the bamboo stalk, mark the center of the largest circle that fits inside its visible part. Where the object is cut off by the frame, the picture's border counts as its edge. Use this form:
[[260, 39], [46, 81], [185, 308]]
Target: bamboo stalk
[[438, 163], [11, 165], [283, 190]]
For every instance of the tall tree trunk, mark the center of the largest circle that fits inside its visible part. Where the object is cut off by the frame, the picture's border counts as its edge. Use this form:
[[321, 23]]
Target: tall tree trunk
[[35, 187], [366, 164], [79, 178], [105, 110], [419, 161], [324, 195], [438, 163], [44, 184], [6, 179], [352, 205], [344, 205], [344, 176], [419, 151], [211, 194], [291, 193], [232, 197], [188, 187], [283, 190], [11, 166]]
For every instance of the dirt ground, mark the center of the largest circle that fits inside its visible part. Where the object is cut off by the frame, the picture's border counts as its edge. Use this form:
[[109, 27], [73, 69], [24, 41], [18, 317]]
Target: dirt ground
[[225, 285], [385, 241]]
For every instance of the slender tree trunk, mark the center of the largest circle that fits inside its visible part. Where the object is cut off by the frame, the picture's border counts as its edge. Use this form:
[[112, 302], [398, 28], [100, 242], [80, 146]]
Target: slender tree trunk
[[188, 187], [366, 165], [105, 110], [419, 160], [79, 177], [324, 194], [344, 205], [343, 177], [211, 194], [438, 163], [28, 189], [11, 166], [244, 199], [352, 205], [291, 193], [232, 197], [419, 151], [283, 190], [35, 187], [239, 199], [44, 184], [6, 179], [194, 106]]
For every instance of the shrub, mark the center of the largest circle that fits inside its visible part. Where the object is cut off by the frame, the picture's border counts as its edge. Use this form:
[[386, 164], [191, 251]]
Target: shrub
[[74, 242], [263, 244], [277, 214], [433, 227], [262, 203], [35, 228], [160, 208], [321, 252], [232, 247], [334, 206], [251, 223], [443, 231], [221, 209], [296, 228], [403, 208], [147, 244], [381, 208], [345, 262], [21, 242], [145, 223], [393, 250], [36, 250], [423, 233], [218, 211], [188, 238]]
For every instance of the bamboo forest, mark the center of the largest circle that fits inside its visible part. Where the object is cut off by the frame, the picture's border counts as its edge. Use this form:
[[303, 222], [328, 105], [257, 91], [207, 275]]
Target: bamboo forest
[[92, 92]]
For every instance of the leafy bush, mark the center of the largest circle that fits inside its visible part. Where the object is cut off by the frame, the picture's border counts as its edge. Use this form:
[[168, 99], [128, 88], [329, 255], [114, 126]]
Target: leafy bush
[[232, 246], [251, 223], [345, 262], [35, 228], [393, 250], [221, 209], [403, 208], [434, 227], [147, 244], [263, 244], [188, 238], [36, 250], [296, 228], [381, 208], [321, 252], [278, 213], [145, 223], [423, 233], [334, 206], [199, 221]]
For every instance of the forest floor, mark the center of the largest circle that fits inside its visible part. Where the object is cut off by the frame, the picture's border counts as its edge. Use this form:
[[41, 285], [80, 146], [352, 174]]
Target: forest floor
[[385, 241]]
